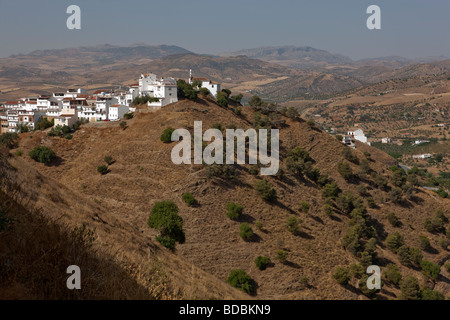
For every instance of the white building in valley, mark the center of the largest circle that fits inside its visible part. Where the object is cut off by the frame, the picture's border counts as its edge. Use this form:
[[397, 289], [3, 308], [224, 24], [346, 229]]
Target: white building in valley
[[358, 134]]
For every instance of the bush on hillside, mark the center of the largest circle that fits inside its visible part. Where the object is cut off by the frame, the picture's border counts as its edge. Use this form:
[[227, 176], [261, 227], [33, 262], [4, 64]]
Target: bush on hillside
[[42, 154]]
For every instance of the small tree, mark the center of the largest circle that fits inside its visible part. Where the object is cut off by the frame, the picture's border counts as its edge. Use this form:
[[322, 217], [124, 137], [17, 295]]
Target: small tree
[[166, 136], [409, 286], [245, 231], [357, 270], [164, 218], [424, 243], [204, 92], [304, 206], [392, 274], [345, 171], [430, 269], [222, 99], [234, 210], [341, 275], [282, 256], [108, 160], [393, 219], [238, 278], [189, 199], [428, 294], [266, 191], [394, 241], [262, 262], [103, 169], [42, 154], [8, 139], [292, 224]]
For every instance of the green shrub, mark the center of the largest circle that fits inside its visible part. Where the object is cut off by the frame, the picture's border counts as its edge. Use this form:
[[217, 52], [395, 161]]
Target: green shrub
[[371, 202], [123, 125], [19, 153], [164, 218], [328, 210], [189, 199], [9, 139], [282, 256], [349, 155], [222, 99], [128, 116], [393, 219], [443, 243], [43, 124], [108, 160], [394, 241], [292, 224], [204, 92], [238, 278], [166, 136], [42, 154], [396, 195], [330, 190], [234, 210], [259, 225], [304, 206], [262, 262], [424, 243], [103, 169], [245, 231], [341, 275], [166, 241], [430, 269], [409, 286], [392, 274], [362, 285], [428, 294], [357, 270], [265, 190]]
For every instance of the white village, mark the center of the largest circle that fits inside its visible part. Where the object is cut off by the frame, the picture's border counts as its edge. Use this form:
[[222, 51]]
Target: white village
[[67, 108]]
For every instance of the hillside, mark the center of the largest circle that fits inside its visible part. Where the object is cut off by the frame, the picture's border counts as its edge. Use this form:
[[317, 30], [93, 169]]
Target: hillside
[[117, 205]]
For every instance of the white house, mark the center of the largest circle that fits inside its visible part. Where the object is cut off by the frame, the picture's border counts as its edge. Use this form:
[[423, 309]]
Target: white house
[[386, 140], [117, 111], [68, 118], [358, 134], [422, 156], [102, 107], [165, 90], [13, 120], [29, 118], [212, 86]]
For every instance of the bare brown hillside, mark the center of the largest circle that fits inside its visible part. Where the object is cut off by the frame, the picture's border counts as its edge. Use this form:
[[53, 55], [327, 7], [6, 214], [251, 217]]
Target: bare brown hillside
[[118, 204]]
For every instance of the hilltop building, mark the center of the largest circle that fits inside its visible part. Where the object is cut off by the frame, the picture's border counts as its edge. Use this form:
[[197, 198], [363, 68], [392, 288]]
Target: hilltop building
[[212, 86], [164, 89]]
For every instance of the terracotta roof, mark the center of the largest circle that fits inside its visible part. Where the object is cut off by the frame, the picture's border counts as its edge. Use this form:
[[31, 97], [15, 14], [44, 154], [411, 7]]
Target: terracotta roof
[[12, 102]]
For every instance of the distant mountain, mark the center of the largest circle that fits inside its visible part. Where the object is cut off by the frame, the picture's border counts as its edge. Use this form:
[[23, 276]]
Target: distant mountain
[[295, 57], [107, 54]]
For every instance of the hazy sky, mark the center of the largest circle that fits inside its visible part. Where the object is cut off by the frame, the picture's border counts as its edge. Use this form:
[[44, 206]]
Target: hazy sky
[[410, 28]]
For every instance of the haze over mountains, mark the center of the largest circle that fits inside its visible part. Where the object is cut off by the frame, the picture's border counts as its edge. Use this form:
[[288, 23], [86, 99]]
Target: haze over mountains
[[276, 73]]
